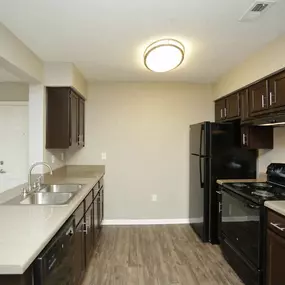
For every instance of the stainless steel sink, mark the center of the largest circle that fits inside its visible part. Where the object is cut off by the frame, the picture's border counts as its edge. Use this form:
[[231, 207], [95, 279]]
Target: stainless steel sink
[[56, 194], [61, 188], [47, 199]]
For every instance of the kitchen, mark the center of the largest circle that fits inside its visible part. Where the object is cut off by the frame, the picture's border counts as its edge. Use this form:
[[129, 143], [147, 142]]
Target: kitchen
[[134, 133]]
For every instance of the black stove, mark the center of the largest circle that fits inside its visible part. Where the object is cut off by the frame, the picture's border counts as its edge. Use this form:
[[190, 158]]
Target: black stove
[[257, 192], [243, 222]]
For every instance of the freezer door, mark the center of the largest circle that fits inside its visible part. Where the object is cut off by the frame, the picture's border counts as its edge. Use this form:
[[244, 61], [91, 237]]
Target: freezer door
[[198, 139], [199, 197]]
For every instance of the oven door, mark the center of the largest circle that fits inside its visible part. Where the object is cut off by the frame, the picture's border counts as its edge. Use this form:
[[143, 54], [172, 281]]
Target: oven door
[[240, 225]]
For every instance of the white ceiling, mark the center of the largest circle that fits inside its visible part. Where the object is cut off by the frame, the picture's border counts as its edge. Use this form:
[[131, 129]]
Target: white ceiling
[[106, 38]]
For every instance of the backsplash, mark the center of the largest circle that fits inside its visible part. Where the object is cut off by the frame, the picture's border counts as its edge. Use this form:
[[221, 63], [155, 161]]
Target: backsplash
[[58, 162], [277, 154]]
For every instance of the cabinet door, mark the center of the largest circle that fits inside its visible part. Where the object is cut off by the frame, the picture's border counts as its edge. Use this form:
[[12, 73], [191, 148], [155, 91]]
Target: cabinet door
[[220, 107], [254, 137], [73, 118], [232, 106], [258, 97], [244, 110], [89, 234], [79, 260], [101, 207], [277, 90], [275, 259], [96, 220], [81, 122]]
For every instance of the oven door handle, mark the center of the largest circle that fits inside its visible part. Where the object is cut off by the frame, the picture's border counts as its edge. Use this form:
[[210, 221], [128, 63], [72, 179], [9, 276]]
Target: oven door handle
[[252, 206]]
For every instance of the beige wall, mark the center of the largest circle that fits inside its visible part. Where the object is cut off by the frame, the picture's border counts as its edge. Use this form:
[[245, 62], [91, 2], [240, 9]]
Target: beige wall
[[16, 58], [14, 91], [144, 130], [64, 74], [268, 60]]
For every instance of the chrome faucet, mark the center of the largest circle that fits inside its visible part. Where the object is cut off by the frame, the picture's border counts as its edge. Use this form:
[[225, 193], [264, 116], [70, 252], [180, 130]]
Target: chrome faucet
[[30, 173]]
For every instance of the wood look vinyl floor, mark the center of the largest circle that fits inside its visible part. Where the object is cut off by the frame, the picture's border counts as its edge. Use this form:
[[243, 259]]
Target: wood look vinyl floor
[[157, 255]]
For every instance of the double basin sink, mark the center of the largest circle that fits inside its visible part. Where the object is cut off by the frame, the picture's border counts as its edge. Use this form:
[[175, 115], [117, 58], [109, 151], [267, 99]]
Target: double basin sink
[[48, 195]]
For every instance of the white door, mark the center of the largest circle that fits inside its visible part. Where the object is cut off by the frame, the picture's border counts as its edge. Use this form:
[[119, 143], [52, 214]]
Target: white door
[[13, 144]]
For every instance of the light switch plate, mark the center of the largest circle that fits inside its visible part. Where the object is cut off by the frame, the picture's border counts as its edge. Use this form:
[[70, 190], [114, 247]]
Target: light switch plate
[[103, 155], [52, 159]]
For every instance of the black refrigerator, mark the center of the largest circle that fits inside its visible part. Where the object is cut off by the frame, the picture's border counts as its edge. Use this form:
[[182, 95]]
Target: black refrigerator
[[215, 153]]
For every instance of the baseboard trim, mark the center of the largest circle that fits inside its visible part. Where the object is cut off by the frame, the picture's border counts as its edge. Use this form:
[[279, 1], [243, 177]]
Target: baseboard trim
[[131, 222]]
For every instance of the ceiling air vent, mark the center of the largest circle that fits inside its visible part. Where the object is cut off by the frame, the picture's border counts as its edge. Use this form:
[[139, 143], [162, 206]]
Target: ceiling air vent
[[259, 7], [256, 10]]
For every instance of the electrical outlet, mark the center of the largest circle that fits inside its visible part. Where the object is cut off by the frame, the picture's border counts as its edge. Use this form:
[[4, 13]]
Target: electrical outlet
[[103, 155], [52, 159], [62, 156], [153, 197]]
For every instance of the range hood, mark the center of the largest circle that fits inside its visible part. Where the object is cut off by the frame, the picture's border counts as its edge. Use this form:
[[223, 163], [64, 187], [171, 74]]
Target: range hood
[[274, 120]]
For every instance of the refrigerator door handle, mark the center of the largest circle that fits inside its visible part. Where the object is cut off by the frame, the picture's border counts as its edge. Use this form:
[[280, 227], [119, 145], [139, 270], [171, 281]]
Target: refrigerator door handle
[[201, 137], [200, 170]]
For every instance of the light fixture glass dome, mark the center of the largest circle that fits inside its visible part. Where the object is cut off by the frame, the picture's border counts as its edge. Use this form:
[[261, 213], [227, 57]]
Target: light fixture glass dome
[[164, 55]]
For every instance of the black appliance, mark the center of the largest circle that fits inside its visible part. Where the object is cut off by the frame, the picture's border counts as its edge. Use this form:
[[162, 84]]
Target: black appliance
[[54, 265], [243, 224], [215, 153]]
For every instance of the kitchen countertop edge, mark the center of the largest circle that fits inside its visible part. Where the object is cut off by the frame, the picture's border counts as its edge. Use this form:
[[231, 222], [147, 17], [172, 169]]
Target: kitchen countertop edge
[[276, 206]]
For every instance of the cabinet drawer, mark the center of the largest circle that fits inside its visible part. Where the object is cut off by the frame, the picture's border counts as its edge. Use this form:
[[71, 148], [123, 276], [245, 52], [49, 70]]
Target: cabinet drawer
[[276, 223], [88, 200], [79, 213]]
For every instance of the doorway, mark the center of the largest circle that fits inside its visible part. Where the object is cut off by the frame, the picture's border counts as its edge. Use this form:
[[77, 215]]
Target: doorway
[[13, 144]]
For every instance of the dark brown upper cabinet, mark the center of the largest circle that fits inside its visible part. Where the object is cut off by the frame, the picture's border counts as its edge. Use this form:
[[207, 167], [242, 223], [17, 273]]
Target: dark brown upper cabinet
[[81, 122], [244, 106], [232, 110], [276, 86], [255, 137], [65, 122], [220, 107], [258, 98], [227, 108]]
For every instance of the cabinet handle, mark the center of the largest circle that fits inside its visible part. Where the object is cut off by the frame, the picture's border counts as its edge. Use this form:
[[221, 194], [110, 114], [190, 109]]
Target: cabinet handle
[[221, 113], [84, 228], [277, 227], [243, 139], [225, 112], [220, 207], [273, 96], [262, 101], [270, 98]]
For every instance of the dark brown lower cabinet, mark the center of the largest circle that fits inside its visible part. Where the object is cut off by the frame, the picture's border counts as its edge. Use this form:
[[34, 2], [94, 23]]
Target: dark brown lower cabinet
[[24, 279], [79, 260], [275, 259], [255, 137], [101, 206], [275, 273], [89, 244]]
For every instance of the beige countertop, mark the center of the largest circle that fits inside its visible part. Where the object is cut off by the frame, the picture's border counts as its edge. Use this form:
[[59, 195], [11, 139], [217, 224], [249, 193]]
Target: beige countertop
[[277, 206], [27, 229], [261, 178]]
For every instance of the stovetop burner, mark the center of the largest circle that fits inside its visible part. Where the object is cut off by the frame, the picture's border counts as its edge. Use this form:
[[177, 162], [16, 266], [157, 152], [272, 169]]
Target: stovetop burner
[[261, 185], [264, 194], [242, 185]]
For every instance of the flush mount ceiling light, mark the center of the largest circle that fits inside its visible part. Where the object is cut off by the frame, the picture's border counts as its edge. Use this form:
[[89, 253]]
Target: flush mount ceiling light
[[164, 55]]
